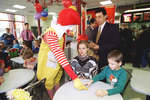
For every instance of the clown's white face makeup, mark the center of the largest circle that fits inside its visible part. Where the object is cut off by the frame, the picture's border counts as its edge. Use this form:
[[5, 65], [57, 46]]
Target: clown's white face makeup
[[113, 64]]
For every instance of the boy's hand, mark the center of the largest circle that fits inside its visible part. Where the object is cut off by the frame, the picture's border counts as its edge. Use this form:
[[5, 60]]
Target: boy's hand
[[101, 93], [89, 83]]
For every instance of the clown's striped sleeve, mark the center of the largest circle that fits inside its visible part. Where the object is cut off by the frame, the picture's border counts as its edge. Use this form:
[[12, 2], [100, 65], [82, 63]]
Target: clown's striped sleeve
[[51, 38]]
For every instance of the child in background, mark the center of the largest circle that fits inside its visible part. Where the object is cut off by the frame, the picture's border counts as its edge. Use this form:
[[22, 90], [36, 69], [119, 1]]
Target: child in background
[[85, 66], [2, 66], [29, 60], [25, 47], [2, 47], [16, 44], [115, 75], [36, 46], [4, 57]]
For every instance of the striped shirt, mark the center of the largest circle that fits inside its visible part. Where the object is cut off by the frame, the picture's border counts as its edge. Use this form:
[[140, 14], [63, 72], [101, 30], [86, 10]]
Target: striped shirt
[[51, 38]]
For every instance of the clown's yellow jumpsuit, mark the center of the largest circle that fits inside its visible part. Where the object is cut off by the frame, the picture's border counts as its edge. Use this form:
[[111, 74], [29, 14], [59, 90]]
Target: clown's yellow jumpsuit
[[50, 58]]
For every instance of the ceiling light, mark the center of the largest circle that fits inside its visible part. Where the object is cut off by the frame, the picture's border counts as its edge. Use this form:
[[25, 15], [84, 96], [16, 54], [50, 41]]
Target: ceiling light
[[105, 2], [136, 10], [19, 6], [10, 10], [52, 13]]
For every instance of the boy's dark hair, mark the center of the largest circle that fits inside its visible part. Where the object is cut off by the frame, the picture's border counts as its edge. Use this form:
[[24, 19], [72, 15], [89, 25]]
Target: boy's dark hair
[[116, 55], [82, 42], [92, 20], [101, 9], [26, 24], [27, 54], [26, 44]]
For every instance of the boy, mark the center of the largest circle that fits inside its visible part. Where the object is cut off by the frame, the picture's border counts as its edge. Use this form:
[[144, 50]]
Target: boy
[[114, 74], [29, 60]]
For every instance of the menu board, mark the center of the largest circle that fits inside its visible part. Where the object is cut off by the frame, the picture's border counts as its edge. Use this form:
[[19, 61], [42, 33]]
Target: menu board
[[138, 17], [146, 16], [127, 18]]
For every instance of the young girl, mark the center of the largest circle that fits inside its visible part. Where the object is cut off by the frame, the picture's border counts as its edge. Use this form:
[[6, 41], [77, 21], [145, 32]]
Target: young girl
[[25, 47], [85, 66]]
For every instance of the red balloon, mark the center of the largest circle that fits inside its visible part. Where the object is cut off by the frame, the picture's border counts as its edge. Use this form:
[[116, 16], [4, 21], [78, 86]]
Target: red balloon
[[66, 3], [38, 7]]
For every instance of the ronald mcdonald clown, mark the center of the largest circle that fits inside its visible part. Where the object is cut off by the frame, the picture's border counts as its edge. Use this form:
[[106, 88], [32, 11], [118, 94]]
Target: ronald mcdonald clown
[[51, 55]]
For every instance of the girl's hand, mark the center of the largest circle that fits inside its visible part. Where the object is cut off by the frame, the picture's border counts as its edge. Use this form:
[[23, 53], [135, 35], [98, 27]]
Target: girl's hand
[[101, 93], [89, 83]]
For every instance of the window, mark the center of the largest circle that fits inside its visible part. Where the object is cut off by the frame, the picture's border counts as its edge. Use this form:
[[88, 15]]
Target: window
[[14, 22]]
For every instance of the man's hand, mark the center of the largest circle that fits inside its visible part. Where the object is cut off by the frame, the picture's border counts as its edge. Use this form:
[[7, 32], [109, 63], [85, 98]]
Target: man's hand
[[93, 45], [79, 85], [101, 93]]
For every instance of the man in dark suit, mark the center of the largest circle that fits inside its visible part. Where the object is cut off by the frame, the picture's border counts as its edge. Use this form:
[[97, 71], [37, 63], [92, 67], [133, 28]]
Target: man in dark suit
[[106, 35]]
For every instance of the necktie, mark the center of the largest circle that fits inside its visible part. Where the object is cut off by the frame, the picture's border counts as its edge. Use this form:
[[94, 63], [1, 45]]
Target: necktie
[[27, 35], [98, 34]]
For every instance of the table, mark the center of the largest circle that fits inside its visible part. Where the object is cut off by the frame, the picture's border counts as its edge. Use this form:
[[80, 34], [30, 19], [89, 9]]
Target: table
[[18, 60], [16, 78], [140, 82], [68, 92]]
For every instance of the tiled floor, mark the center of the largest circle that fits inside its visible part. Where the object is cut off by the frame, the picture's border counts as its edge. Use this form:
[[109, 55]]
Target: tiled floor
[[130, 94]]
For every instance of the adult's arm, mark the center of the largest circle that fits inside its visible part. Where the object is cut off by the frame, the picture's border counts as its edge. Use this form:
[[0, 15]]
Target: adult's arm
[[51, 39]]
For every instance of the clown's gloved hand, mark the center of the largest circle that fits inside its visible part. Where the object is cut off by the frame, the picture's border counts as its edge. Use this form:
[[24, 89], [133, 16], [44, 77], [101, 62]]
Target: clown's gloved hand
[[79, 85]]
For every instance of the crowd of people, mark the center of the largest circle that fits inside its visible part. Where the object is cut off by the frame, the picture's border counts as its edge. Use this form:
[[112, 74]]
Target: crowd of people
[[10, 44]]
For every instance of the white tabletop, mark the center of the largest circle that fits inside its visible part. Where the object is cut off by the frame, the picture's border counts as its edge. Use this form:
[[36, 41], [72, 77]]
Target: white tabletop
[[20, 60], [16, 78], [140, 81], [68, 92]]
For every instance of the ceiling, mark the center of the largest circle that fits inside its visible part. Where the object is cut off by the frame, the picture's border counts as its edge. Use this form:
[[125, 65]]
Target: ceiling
[[56, 7]]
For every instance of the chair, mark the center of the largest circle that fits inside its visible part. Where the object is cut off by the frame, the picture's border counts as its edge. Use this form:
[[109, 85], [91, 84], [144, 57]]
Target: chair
[[129, 75], [38, 91]]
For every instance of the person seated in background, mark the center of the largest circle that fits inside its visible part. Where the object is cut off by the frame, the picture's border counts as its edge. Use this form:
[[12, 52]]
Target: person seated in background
[[2, 66], [114, 74], [2, 47], [5, 57], [85, 66], [8, 38], [29, 60], [36, 46], [16, 44], [2, 70], [25, 47]]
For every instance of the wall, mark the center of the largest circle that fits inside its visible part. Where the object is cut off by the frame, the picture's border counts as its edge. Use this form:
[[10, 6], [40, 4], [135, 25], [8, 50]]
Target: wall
[[44, 24]]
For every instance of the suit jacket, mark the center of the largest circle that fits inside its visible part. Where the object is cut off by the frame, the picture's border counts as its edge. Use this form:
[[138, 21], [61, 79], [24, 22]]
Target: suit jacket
[[109, 40]]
